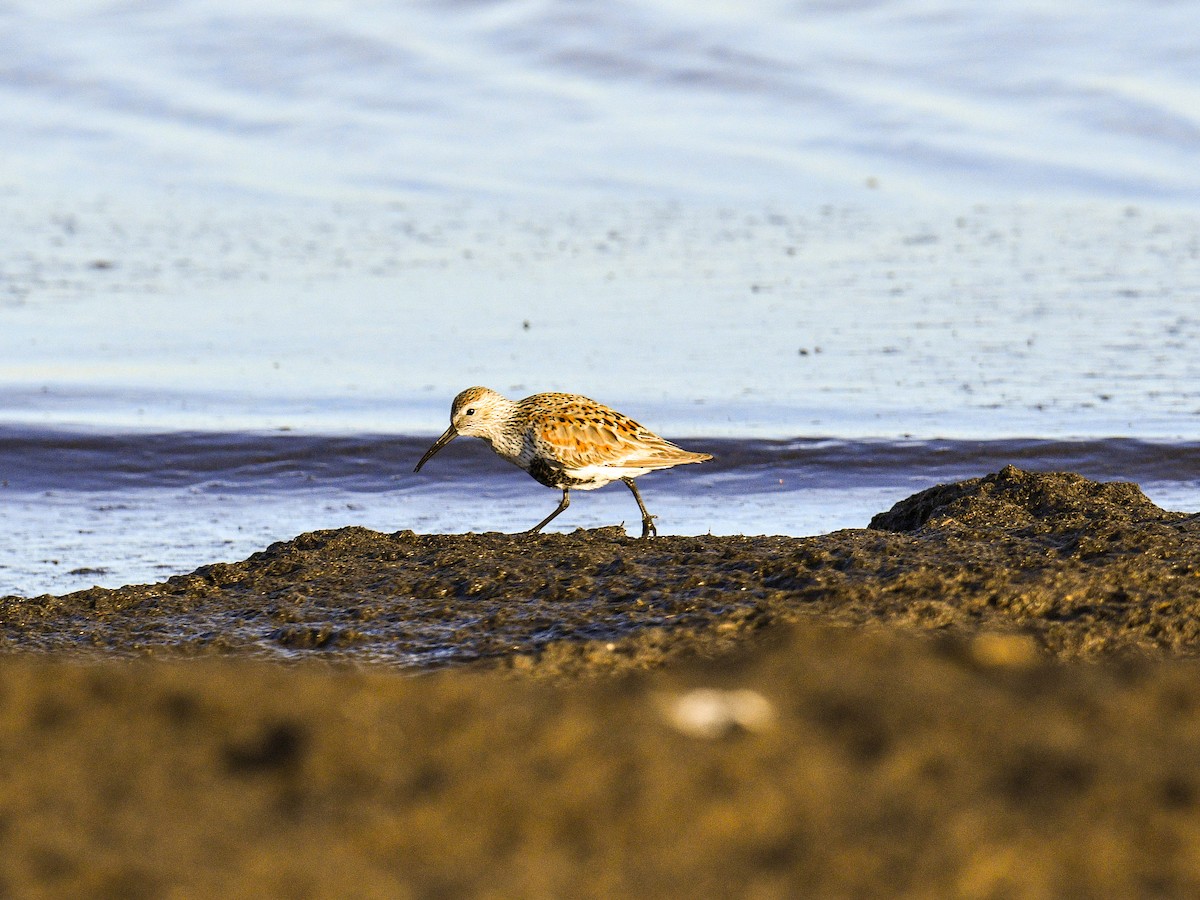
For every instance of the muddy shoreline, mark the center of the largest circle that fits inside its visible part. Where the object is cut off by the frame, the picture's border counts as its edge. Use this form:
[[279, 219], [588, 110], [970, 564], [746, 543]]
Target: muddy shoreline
[[991, 691], [1084, 569]]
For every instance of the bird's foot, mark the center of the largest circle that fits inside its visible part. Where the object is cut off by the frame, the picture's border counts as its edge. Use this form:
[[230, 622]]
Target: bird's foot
[[648, 528]]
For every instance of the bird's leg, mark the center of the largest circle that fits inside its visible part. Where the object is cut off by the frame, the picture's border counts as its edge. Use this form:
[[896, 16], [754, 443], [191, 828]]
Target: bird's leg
[[647, 519], [566, 501]]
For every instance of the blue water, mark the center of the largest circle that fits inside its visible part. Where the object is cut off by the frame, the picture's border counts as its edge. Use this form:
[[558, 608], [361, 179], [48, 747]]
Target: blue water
[[244, 246], [799, 102]]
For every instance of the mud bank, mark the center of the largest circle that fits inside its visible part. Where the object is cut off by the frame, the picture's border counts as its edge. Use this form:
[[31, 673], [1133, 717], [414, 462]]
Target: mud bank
[[987, 693], [1085, 569]]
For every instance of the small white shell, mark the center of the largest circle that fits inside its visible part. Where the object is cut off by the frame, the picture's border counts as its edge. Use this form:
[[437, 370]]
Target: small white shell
[[712, 713]]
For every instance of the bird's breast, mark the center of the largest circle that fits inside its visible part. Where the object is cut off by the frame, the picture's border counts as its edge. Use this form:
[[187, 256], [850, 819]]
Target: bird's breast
[[546, 472], [585, 478]]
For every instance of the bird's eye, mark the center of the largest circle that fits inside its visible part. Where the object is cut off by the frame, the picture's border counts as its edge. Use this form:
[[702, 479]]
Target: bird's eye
[[470, 412]]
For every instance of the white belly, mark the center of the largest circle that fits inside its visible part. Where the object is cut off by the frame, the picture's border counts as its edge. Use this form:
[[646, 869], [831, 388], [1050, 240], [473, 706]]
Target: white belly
[[592, 477]]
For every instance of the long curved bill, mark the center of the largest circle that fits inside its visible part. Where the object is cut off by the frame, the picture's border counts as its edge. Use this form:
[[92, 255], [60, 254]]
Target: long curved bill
[[451, 434]]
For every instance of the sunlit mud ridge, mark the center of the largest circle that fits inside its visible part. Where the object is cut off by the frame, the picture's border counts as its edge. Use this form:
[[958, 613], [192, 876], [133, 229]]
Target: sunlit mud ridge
[[1082, 569]]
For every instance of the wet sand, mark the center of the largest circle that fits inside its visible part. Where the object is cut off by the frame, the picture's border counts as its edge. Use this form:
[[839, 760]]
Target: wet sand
[[991, 691]]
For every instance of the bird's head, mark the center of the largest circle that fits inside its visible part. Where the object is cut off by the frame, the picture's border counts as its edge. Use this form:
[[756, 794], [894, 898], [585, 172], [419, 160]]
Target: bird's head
[[476, 412]]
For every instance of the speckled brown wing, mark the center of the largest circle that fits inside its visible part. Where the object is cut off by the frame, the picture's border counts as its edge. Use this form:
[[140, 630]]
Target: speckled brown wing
[[584, 433]]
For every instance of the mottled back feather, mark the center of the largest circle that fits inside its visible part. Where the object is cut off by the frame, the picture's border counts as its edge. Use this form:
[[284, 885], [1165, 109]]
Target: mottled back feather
[[576, 432]]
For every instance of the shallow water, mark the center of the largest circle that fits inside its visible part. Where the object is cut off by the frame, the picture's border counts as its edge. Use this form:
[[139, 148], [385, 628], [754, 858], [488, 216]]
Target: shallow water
[[1003, 322], [799, 101], [298, 232]]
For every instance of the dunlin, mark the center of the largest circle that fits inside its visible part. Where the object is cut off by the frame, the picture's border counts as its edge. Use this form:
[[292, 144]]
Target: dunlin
[[564, 441]]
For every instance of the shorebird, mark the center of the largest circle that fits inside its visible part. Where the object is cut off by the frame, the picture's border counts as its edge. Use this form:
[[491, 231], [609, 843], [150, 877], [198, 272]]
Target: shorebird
[[564, 441]]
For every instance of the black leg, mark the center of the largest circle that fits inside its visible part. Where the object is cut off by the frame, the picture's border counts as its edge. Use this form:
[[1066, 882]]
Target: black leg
[[647, 519], [566, 501]]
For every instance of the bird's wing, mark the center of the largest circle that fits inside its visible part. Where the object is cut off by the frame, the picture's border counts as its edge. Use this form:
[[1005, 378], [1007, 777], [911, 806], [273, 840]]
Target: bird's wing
[[609, 439]]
